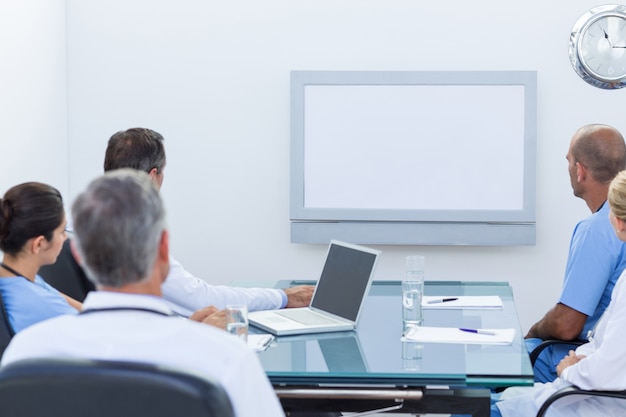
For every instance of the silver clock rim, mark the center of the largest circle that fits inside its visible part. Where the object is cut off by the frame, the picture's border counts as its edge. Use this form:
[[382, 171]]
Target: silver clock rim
[[587, 74]]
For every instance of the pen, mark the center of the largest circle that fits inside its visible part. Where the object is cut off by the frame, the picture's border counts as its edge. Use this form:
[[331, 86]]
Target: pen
[[266, 341], [479, 331], [442, 300]]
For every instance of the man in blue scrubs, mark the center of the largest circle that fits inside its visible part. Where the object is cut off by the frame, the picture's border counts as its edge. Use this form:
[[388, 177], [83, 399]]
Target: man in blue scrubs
[[596, 257]]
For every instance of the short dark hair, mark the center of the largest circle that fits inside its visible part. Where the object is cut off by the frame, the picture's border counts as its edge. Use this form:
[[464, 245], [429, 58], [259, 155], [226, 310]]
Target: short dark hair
[[136, 148], [29, 210]]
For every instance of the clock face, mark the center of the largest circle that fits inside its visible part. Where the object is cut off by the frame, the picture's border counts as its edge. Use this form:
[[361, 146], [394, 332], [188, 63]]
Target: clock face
[[598, 47], [602, 47]]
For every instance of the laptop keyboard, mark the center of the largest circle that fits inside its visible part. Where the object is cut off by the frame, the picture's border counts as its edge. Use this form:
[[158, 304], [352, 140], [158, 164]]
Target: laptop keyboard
[[305, 317]]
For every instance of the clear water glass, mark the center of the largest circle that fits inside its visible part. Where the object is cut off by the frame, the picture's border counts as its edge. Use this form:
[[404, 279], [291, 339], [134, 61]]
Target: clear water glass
[[412, 291], [237, 320]]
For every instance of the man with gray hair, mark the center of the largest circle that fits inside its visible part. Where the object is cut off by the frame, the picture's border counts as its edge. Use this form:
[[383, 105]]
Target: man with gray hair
[[122, 241]]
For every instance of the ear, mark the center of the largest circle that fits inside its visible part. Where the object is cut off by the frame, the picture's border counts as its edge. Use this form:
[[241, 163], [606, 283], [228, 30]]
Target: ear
[[153, 173], [36, 244], [581, 172], [163, 255], [164, 246]]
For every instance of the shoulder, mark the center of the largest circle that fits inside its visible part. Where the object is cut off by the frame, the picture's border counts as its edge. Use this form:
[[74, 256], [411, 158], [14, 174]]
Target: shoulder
[[594, 231], [21, 287], [27, 343], [13, 285], [598, 219]]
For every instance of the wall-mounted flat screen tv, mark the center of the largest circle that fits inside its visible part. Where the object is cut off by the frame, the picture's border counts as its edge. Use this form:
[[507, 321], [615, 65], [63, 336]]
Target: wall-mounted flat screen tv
[[413, 158]]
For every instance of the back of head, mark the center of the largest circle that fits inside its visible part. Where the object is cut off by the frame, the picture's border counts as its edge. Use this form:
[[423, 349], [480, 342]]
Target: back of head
[[29, 210], [601, 149], [136, 148], [617, 195], [118, 224]]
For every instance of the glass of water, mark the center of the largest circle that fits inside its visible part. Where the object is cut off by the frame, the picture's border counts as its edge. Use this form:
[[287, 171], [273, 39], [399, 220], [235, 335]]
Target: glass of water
[[237, 320], [412, 291]]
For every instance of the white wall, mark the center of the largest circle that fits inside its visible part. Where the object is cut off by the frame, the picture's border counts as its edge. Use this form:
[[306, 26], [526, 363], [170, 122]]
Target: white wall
[[33, 108], [213, 77]]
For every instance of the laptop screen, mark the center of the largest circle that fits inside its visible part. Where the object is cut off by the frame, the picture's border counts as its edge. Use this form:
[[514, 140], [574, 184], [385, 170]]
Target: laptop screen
[[344, 280]]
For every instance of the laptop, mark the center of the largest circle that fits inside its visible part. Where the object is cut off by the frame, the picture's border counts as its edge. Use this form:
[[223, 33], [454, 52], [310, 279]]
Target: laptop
[[338, 298]]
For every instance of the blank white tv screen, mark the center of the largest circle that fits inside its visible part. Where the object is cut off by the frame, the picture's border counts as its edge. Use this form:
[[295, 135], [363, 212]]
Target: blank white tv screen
[[413, 146]]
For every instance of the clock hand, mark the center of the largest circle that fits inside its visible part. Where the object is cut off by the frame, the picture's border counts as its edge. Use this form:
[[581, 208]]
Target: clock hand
[[606, 36]]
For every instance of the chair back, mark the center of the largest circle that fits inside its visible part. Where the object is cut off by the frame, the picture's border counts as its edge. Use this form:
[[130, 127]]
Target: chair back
[[67, 276], [6, 330], [79, 388]]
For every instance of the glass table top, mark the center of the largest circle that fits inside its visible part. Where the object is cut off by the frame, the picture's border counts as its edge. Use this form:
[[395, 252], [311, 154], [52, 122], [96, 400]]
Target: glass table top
[[374, 353]]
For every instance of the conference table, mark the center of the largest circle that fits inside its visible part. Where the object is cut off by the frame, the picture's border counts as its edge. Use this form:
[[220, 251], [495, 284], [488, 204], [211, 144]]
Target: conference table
[[371, 368]]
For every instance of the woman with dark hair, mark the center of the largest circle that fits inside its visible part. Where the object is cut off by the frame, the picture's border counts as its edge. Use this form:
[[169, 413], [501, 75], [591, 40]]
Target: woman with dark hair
[[32, 232]]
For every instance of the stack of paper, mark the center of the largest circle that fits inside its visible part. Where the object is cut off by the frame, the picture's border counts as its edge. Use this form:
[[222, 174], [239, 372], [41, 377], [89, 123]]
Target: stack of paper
[[259, 342], [462, 301], [454, 335]]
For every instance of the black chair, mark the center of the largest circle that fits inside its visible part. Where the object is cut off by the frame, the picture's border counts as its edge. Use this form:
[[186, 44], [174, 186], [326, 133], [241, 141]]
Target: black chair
[[79, 388], [547, 343], [6, 330], [67, 276], [573, 390]]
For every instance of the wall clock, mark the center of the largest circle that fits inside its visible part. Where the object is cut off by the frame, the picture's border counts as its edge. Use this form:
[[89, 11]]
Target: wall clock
[[597, 47]]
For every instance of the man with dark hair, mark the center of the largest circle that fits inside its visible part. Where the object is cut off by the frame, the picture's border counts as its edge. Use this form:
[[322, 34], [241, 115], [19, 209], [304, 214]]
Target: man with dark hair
[[143, 149], [596, 256], [137, 148]]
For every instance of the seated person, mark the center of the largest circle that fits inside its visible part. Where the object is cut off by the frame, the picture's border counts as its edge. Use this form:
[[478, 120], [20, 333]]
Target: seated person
[[599, 364], [596, 257], [32, 232], [143, 149], [126, 319]]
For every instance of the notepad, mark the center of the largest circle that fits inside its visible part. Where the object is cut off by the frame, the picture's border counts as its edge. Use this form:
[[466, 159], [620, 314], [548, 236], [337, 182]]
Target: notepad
[[454, 335], [463, 301], [259, 342]]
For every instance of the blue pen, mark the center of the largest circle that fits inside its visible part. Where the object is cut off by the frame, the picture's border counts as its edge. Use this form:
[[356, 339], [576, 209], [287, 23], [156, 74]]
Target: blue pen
[[479, 331]]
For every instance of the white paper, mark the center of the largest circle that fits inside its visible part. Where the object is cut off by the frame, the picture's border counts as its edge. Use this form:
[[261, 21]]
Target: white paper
[[359, 139], [454, 335], [259, 342], [462, 302]]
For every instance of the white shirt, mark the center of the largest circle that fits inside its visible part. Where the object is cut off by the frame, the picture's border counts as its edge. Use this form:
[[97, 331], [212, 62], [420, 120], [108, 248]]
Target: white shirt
[[185, 293], [604, 368], [150, 337]]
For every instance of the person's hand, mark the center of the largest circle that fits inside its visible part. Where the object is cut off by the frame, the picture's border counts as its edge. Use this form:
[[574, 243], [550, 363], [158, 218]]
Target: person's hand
[[299, 296], [569, 360], [210, 315], [200, 315], [217, 319]]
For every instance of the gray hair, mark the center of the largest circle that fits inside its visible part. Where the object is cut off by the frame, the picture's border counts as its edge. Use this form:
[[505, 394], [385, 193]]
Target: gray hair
[[118, 224]]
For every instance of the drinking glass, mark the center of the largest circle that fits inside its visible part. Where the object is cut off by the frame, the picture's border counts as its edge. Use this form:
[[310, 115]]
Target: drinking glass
[[237, 320]]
